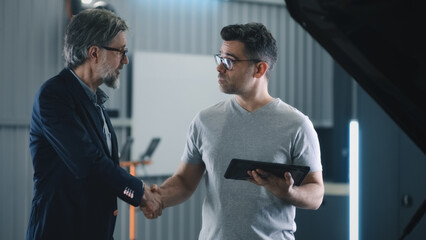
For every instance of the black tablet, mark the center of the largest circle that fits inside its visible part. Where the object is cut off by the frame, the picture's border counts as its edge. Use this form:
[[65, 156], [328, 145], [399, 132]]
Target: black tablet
[[238, 168]]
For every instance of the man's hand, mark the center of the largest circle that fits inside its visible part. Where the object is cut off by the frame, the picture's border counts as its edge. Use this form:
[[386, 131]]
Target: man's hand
[[280, 187], [151, 204], [308, 195], [155, 188]]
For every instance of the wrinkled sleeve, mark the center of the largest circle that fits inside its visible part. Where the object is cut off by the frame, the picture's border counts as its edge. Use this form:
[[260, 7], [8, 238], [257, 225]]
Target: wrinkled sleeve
[[191, 153], [306, 150]]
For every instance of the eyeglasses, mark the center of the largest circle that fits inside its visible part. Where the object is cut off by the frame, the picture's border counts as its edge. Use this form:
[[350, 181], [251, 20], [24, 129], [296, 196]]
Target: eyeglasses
[[123, 52], [229, 63]]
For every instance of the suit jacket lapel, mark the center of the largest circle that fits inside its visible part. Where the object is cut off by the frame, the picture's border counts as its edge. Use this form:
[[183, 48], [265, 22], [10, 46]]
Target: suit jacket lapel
[[90, 108]]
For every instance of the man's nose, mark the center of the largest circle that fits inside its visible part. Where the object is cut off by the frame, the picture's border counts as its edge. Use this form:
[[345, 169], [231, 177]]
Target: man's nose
[[221, 68], [125, 60]]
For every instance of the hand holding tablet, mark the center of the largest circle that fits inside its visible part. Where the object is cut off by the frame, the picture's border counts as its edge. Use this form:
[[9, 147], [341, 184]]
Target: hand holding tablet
[[238, 168]]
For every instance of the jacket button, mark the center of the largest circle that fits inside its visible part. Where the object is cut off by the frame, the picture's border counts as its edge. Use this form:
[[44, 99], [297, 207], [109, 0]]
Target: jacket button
[[115, 213]]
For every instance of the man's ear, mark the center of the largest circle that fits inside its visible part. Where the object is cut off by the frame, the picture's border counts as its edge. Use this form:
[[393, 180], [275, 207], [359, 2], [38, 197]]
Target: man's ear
[[93, 54], [261, 68]]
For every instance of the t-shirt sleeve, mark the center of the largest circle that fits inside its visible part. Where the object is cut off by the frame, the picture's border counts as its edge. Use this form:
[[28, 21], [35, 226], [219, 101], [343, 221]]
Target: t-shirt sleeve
[[306, 150], [191, 153]]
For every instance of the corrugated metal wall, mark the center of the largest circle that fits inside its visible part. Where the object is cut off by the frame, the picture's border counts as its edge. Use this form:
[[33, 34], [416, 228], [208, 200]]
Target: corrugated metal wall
[[31, 40], [302, 76]]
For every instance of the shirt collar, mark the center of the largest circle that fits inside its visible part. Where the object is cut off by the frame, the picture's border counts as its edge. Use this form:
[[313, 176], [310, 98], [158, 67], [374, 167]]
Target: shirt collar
[[99, 97]]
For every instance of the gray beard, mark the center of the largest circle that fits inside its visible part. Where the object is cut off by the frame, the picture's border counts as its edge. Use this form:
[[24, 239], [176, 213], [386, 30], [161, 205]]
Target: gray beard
[[111, 81], [108, 77]]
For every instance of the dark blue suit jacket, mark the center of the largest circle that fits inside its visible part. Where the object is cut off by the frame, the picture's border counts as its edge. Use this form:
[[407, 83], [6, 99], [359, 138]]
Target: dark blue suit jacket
[[76, 182]]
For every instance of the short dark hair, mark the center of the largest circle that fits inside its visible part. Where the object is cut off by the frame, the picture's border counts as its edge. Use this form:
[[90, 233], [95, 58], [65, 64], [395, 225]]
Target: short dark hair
[[258, 41], [92, 27]]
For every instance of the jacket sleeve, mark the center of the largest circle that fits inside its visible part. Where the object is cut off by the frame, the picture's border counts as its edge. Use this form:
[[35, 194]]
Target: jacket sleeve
[[72, 133]]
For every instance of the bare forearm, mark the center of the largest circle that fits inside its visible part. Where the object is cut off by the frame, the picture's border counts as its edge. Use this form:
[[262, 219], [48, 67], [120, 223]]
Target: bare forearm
[[307, 196], [174, 191], [182, 184]]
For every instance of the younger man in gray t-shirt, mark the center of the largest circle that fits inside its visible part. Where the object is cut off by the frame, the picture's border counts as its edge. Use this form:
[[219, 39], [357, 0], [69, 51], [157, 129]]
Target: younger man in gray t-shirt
[[255, 126], [276, 133]]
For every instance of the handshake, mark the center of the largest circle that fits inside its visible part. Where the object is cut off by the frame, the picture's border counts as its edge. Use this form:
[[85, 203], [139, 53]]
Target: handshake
[[152, 205]]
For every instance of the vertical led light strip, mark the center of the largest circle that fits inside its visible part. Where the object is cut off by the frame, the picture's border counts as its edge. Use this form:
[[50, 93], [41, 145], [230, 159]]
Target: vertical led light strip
[[353, 180]]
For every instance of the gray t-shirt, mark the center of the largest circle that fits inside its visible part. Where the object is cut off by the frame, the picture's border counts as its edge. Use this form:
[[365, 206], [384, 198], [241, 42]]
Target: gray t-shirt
[[276, 132]]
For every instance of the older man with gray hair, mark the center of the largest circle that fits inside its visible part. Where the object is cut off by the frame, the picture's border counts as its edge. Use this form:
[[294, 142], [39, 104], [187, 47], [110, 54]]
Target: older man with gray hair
[[77, 177]]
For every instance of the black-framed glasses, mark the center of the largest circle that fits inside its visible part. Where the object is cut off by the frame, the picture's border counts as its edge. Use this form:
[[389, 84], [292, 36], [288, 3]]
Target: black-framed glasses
[[123, 52], [229, 63]]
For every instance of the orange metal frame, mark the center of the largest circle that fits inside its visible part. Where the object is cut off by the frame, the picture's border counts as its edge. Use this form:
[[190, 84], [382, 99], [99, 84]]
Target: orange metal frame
[[132, 169]]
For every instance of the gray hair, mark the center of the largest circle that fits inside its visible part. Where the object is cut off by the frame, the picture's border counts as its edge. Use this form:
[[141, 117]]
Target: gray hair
[[92, 27]]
